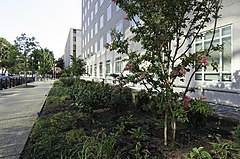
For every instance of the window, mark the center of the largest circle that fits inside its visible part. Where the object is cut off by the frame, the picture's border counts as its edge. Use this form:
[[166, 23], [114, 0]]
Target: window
[[101, 43], [88, 52], [101, 2], [109, 38], [74, 39], [91, 52], [91, 15], [74, 31], [118, 65], [87, 70], [100, 69], [109, 12], [85, 13], [88, 6], [119, 27], [101, 21], [108, 68], [95, 70], [88, 21], [96, 47], [91, 70], [222, 37], [96, 28], [91, 33], [88, 36], [96, 7]]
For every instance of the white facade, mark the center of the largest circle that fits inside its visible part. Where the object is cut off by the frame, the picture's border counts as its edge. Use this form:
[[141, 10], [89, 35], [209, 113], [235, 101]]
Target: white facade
[[73, 46], [220, 87]]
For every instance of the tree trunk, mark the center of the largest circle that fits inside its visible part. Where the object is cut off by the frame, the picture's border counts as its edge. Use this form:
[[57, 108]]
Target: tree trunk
[[174, 127], [165, 129]]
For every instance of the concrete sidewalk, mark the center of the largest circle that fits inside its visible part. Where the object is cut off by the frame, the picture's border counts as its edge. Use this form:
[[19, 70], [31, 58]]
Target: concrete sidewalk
[[18, 108]]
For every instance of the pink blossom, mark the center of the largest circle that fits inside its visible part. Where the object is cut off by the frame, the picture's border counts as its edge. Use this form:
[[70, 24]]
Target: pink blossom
[[182, 71], [126, 17], [117, 89], [187, 98], [174, 73], [115, 1], [107, 45], [187, 105], [203, 98], [126, 68], [203, 60], [142, 77], [138, 73]]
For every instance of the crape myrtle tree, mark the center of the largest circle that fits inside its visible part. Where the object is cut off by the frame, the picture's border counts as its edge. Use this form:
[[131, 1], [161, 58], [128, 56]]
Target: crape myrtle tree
[[166, 30], [25, 46]]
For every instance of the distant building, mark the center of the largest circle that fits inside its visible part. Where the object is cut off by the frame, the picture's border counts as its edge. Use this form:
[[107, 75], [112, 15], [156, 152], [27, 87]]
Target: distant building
[[73, 46]]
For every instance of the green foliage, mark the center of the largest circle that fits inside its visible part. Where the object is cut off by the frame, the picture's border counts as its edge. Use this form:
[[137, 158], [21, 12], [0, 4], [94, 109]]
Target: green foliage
[[198, 112], [89, 96], [48, 142], [8, 57], [58, 94], [225, 150], [143, 100], [140, 153], [199, 153], [67, 81], [138, 134], [118, 101], [77, 66]]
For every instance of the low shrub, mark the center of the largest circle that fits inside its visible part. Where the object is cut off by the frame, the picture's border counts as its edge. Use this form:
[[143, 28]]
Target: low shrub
[[120, 100], [67, 81]]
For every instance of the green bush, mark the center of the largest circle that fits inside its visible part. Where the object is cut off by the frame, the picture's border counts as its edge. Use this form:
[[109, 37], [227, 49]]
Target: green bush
[[143, 100], [67, 81], [119, 101], [199, 153], [91, 96], [198, 112]]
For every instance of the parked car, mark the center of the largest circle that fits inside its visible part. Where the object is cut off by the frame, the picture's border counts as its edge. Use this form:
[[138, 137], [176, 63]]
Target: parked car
[[3, 76]]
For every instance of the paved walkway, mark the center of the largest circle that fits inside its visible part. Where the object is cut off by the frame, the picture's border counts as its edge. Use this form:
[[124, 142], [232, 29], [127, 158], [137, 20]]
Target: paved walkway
[[18, 108]]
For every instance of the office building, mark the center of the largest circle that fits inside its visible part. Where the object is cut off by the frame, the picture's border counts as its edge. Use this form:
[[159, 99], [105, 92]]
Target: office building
[[73, 46]]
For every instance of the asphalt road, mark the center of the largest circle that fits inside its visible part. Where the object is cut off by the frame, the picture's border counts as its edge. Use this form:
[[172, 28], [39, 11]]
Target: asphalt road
[[18, 108]]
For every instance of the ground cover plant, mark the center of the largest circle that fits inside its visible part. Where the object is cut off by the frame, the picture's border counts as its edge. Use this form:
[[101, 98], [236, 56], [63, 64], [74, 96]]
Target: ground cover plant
[[100, 131]]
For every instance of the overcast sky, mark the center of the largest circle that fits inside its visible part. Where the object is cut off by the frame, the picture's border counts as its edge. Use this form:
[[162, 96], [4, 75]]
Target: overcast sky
[[48, 21]]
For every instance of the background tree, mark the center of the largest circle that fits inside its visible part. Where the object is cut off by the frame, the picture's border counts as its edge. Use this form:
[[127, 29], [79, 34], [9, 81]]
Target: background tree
[[60, 63], [77, 66], [166, 31], [8, 56], [43, 61], [25, 46]]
